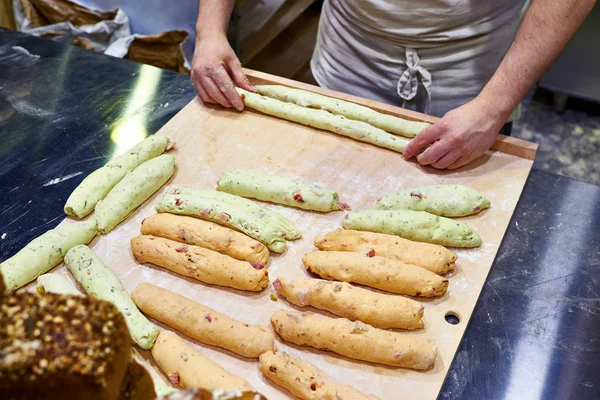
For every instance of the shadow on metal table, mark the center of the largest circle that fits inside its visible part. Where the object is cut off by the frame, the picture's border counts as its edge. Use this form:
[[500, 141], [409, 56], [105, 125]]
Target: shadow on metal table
[[535, 332]]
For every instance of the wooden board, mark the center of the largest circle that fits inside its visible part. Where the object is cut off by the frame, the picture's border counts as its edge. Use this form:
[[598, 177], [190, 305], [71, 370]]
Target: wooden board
[[211, 140]]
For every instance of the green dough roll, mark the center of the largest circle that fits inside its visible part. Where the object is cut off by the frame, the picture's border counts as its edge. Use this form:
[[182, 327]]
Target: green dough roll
[[133, 191], [55, 283], [279, 189], [99, 281], [443, 200], [45, 252], [321, 119], [349, 110], [146, 150], [258, 222], [414, 225], [99, 183]]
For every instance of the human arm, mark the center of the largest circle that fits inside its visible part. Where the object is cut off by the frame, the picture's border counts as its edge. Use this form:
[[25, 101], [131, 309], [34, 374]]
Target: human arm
[[465, 133], [215, 67]]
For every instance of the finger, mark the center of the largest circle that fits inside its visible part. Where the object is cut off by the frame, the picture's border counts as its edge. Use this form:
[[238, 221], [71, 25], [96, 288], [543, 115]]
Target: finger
[[225, 84], [464, 160], [447, 160], [426, 137], [213, 91], [239, 77], [203, 95], [435, 152]]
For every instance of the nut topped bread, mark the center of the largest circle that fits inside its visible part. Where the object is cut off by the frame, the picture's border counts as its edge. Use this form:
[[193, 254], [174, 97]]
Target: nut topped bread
[[61, 347]]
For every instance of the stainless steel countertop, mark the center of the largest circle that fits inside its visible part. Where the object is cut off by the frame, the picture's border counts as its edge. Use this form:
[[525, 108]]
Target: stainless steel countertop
[[535, 332]]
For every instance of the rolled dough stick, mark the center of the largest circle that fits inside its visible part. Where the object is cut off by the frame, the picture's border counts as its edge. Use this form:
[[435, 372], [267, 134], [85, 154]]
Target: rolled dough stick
[[355, 340], [206, 234], [304, 380], [267, 226], [279, 189], [145, 150], [377, 272], [349, 110], [414, 225], [379, 310], [321, 119], [186, 367], [202, 323], [45, 252], [433, 257], [133, 191], [56, 283], [443, 200], [202, 264], [98, 184], [99, 281]]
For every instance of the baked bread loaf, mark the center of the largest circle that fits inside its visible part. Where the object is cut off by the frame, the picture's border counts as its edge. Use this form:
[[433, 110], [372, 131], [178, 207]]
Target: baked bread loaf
[[137, 384], [61, 347]]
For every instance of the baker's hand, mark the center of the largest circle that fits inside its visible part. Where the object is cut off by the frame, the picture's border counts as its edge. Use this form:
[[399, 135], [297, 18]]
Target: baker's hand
[[461, 136], [215, 68]]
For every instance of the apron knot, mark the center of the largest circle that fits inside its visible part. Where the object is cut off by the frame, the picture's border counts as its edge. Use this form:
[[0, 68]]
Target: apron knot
[[413, 77]]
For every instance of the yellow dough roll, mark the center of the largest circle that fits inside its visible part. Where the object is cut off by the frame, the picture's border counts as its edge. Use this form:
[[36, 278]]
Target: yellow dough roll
[[355, 340], [202, 264], [433, 257], [186, 367], [206, 234], [340, 298], [377, 272], [304, 380], [202, 323]]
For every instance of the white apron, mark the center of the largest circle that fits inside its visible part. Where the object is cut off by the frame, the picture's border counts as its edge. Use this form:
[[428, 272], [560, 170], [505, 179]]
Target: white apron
[[427, 55]]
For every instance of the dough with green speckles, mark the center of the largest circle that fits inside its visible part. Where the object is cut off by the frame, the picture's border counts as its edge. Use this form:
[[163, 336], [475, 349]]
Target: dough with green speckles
[[99, 281], [279, 189], [349, 110], [443, 200], [133, 191], [45, 252], [55, 283], [98, 184], [414, 225], [321, 119], [258, 222]]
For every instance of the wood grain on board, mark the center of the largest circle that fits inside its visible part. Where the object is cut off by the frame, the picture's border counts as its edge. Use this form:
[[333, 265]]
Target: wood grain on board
[[212, 139]]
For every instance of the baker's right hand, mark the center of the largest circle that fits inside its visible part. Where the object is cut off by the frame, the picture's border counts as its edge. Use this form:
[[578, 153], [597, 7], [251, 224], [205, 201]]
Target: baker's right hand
[[215, 69]]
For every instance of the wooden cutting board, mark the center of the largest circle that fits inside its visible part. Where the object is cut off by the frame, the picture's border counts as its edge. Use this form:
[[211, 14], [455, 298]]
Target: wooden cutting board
[[211, 139]]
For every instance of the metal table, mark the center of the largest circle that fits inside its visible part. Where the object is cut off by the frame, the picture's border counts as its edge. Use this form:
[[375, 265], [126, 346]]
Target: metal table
[[535, 333]]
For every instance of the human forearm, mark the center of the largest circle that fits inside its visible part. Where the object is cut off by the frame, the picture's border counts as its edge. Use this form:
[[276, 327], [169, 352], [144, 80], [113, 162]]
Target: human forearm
[[547, 27], [213, 18]]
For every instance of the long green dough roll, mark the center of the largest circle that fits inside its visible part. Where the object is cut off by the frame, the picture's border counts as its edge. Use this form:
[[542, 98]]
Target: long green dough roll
[[443, 200], [349, 110], [99, 281], [45, 252], [133, 191], [266, 226], [414, 225], [279, 189], [98, 184], [55, 283], [324, 120]]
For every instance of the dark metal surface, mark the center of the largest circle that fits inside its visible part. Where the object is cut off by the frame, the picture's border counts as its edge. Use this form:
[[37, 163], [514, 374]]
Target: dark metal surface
[[535, 333]]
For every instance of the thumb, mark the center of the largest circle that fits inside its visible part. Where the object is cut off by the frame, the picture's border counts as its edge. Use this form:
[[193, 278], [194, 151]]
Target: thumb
[[238, 75], [425, 138]]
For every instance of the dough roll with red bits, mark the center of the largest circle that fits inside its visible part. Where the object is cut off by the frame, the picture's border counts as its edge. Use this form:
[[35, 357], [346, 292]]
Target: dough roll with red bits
[[304, 380], [207, 234], [377, 309], [377, 272], [433, 257], [355, 340], [187, 368], [202, 323], [199, 263]]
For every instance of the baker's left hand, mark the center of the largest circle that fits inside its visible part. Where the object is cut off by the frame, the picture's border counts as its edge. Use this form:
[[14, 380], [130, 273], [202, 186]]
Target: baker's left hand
[[461, 136]]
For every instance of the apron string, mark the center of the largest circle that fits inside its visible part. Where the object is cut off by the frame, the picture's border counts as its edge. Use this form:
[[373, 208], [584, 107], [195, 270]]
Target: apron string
[[413, 76]]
